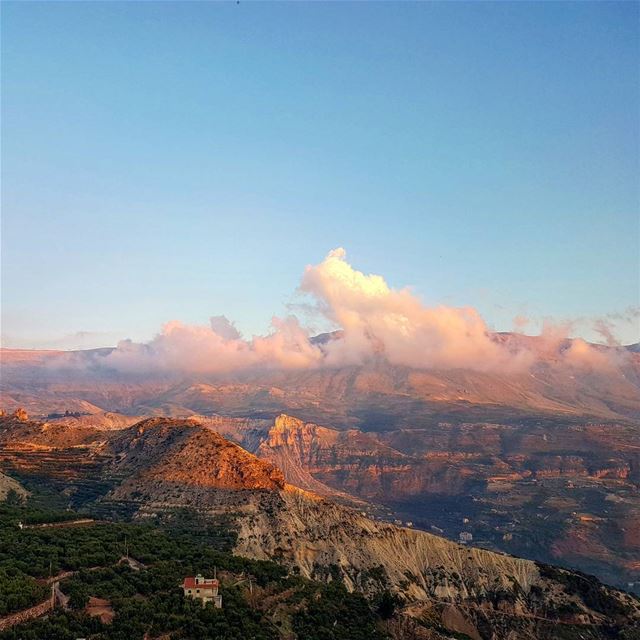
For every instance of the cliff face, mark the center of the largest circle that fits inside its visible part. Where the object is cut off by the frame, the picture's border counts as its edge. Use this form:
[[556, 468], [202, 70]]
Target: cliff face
[[445, 459], [321, 459], [356, 463]]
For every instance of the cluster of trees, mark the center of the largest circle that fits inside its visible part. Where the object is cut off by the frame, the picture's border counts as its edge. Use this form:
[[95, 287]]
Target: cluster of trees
[[151, 600], [19, 591], [330, 612]]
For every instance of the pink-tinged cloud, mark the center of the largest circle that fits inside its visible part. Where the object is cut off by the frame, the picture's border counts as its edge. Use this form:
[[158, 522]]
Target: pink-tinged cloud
[[217, 348], [395, 323], [376, 321], [581, 354]]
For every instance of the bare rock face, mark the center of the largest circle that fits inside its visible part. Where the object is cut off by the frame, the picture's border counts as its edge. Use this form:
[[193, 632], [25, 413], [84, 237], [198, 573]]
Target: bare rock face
[[312, 533], [359, 464], [301, 450]]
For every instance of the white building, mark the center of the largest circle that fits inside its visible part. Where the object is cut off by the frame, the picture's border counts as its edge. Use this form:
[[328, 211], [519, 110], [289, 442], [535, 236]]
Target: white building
[[204, 589]]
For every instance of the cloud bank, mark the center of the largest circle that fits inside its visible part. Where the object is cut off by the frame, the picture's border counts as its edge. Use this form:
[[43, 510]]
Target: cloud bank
[[375, 321], [395, 323]]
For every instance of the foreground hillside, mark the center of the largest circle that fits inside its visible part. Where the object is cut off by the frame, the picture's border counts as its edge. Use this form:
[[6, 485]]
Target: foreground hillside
[[157, 467], [108, 598]]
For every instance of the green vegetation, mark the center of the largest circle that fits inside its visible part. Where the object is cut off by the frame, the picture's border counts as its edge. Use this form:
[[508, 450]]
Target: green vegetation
[[19, 591], [332, 613], [150, 600]]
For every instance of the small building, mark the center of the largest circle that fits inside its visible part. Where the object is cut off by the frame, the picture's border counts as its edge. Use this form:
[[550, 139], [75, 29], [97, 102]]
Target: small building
[[465, 536], [204, 589]]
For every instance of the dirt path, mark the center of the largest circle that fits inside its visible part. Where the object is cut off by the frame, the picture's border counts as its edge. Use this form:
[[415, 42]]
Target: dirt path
[[66, 523], [61, 599]]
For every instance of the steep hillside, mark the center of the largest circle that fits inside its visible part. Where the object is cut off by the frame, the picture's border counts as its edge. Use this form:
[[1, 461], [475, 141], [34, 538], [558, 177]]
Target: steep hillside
[[157, 452]]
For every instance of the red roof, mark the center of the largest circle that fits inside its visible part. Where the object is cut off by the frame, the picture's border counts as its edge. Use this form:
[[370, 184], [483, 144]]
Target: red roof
[[205, 583]]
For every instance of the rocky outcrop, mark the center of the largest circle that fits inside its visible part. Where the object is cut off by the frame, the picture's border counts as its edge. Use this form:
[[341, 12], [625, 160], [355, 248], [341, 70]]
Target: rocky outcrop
[[306, 451], [354, 463]]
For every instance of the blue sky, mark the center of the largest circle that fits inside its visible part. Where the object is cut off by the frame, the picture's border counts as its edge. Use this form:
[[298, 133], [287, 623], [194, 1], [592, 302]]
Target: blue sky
[[181, 160]]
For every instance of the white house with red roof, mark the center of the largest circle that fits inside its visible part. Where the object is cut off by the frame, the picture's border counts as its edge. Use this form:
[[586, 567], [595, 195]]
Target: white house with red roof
[[204, 589]]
